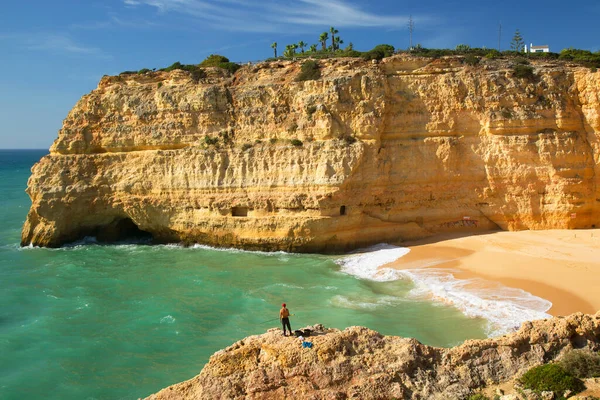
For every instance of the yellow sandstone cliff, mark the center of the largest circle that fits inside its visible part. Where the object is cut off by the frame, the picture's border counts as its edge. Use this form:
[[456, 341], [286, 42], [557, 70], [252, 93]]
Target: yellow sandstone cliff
[[401, 149]]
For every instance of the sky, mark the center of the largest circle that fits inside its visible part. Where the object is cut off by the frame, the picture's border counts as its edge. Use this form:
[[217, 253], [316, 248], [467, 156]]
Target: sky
[[52, 52]]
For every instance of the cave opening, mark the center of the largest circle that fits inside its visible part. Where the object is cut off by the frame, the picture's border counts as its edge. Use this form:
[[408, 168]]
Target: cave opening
[[239, 211], [343, 210], [122, 230]]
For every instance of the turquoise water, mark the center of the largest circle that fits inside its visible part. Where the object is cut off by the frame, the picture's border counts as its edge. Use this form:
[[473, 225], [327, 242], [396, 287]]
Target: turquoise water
[[123, 321]]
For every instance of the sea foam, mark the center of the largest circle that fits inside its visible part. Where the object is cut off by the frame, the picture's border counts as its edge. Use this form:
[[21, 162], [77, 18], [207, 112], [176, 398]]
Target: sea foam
[[503, 307]]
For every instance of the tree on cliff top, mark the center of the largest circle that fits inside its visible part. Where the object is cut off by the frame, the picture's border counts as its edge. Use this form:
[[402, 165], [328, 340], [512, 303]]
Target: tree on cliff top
[[302, 45], [274, 47], [333, 32], [323, 39], [517, 44]]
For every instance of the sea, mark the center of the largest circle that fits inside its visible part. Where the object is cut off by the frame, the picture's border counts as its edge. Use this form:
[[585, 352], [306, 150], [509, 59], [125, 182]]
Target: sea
[[121, 321]]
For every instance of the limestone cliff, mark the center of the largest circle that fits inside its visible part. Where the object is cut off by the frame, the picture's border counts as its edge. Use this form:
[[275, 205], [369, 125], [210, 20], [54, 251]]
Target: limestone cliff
[[401, 149], [359, 363]]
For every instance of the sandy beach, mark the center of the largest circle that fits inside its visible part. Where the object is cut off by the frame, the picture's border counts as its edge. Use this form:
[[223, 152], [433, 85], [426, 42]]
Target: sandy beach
[[562, 266]]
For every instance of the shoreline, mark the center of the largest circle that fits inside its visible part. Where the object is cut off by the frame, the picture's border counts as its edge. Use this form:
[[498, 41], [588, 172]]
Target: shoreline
[[561, 266]]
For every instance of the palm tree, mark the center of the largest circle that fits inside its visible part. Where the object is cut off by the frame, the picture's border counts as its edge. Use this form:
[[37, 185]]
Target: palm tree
[[302, 45], [274, 47], [294, 47], [337, 42], [289, 51], [313, 48], [323, 39], [333, 32]]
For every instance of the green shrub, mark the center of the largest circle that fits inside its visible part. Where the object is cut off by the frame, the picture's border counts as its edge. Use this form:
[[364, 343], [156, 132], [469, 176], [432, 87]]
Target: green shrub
[[493, 54], [470, 59], [352, 53], [128, 73], [172, 67], [246, 146], [583, 57], [379, 52], [544, 56], [216, 60], [296, 142], [143, 71], [551, 377], [159, 85], [521, 61], [310, 110], [210, 140], [230, 66], [309, 71], [196, 71], [593, 69], [373, 55], [386, 49], [582, 363], [478, 396], [523, 71], [273, 140]]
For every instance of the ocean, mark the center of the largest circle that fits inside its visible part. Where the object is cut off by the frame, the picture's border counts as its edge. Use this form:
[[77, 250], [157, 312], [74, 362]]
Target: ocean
[[122, 321]]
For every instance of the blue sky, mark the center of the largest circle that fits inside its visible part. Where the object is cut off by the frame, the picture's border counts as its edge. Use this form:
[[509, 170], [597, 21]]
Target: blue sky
[[54, 51]]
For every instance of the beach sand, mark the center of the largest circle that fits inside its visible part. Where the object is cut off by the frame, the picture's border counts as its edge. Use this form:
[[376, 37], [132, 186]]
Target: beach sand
[[562, 266]]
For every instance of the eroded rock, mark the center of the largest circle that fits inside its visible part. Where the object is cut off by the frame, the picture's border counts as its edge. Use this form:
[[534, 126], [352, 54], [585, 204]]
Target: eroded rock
[[360, 363]]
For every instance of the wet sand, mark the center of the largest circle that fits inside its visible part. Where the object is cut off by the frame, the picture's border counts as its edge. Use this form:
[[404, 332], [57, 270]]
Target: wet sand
[[562, 266]]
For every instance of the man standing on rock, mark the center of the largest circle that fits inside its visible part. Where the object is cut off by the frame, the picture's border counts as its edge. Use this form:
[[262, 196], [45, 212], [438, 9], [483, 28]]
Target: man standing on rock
[[284, 315]]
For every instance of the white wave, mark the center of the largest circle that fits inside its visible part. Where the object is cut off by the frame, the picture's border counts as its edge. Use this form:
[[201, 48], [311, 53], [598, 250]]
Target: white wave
[[324, 287], [167, 319], [234, 250], [289, 286], [366, 263], [504, 308], [364, 303], [268, 287]]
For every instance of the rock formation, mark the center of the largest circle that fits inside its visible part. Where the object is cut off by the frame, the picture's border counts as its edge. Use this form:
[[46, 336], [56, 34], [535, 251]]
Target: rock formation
[[358, 363], [401, 149]]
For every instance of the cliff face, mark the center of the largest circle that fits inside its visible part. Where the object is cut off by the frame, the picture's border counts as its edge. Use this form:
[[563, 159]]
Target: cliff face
[[359, 363], [439, 147]]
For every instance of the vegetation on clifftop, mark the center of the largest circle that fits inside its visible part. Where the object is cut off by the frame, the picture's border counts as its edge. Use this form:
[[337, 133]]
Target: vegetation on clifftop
[[551, 378], [582, 363], [196, 70], [329, 46]]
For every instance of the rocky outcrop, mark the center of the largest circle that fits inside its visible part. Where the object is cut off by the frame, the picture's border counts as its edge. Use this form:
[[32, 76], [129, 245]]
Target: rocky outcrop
[[403, 149], [363, 364]]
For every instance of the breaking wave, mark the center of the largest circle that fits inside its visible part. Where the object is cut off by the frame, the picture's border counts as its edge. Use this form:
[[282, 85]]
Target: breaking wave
[[503, 307]]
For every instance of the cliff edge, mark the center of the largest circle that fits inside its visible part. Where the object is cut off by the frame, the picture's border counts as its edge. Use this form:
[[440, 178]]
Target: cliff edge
[[370, 152], [363, 364]]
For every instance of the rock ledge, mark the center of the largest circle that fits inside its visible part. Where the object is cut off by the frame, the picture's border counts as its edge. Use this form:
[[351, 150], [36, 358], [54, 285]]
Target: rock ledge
[[363, 364]]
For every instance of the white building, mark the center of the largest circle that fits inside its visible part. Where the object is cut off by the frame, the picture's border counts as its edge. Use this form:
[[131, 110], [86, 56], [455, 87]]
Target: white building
[[537, 49]]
